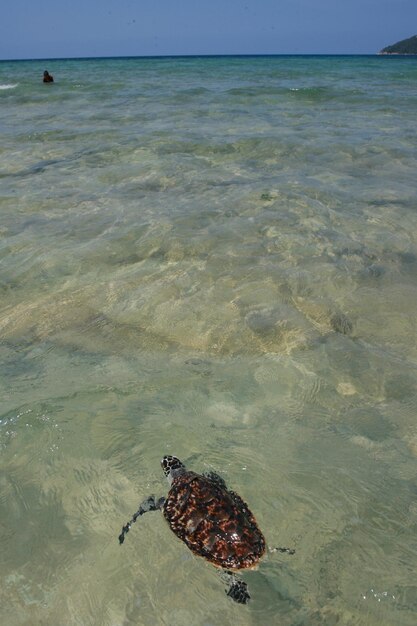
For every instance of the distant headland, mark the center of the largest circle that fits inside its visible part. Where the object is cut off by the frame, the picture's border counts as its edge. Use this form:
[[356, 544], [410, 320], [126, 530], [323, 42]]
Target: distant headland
[[405, 46]]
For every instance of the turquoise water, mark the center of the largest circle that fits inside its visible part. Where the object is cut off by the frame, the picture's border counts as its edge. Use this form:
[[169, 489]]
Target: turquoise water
[[215, 258]]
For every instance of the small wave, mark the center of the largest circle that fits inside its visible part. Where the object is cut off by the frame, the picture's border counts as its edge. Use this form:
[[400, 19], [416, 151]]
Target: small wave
[[8, 86], [256, 91]]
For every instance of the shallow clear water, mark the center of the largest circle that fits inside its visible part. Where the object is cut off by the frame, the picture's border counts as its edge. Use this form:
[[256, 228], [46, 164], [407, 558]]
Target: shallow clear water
[[215, 258]]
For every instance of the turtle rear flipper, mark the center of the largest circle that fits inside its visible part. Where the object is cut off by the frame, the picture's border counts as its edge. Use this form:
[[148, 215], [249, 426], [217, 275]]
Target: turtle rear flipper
[[149, 504], [238, 591], [237, 588]]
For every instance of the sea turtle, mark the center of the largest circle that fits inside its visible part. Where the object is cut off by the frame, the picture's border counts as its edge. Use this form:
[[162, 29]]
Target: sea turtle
[[213, 522]]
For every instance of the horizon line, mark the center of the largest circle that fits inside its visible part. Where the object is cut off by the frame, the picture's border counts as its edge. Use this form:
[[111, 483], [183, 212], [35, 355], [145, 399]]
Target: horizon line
[[219, 55]]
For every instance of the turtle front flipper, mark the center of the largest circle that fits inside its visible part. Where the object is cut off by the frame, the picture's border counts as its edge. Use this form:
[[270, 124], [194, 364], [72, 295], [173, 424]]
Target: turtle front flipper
[[237, 588], [216, 479], [149, 504]]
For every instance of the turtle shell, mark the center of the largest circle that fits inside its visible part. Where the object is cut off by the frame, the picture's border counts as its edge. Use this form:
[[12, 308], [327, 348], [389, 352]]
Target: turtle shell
[[214, 522]]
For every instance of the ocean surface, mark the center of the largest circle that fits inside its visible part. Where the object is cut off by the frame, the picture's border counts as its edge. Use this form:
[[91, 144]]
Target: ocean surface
[[214, 258]]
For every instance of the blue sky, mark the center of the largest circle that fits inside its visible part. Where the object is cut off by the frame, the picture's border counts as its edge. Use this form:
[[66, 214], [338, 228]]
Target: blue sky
[[73, 28]]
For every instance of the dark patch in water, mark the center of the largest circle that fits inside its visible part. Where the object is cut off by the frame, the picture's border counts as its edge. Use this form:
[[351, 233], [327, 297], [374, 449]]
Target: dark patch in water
[[262, 322], [366, 422], [407, 257], [373, 271], [341, 323], [400, 387]]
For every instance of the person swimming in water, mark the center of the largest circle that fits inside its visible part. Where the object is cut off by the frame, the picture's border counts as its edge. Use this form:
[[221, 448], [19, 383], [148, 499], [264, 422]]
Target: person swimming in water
[[47, 78]]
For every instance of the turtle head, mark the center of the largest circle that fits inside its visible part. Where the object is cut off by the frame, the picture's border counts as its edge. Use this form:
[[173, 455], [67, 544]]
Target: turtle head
[[172, 467]]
